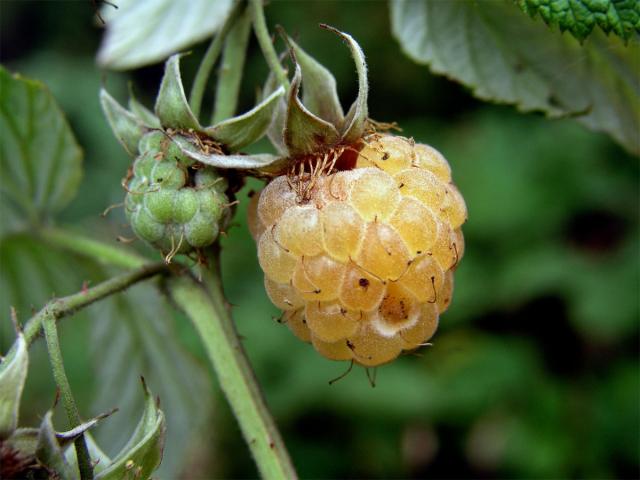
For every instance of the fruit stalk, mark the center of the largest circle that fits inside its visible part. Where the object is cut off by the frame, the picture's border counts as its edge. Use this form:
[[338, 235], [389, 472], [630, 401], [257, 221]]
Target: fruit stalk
[[211, 319], [66, 306], [209, 59], [266, 45]]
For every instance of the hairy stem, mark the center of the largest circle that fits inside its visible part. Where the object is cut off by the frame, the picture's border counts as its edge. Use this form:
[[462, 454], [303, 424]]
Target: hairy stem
[[99, 251], [262, 34], [211, 319], [233, 58], [209, 60], [66, 306], [60, 377]]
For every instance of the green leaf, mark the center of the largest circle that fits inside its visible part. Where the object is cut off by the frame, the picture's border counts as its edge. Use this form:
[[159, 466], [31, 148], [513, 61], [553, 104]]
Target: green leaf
[[141, 32], [243, 130], [126, 126], [319, 91], [50, 453], [13, 373], [132, 337], [40, 159], [142, 454], [579, 17], [504, 57], [305, 132], [172, 107]]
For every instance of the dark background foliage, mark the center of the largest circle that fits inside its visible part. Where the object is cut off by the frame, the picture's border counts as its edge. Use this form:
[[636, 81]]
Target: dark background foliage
[[534, 371]]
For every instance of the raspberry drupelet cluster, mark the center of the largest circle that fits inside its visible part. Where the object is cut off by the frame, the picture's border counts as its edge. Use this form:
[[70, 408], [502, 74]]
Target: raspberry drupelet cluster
[[359, 245]]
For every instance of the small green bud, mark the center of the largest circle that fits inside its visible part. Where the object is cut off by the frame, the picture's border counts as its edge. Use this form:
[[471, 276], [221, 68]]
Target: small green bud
[[210, 178], [146, 227], [201, 231], [159, 204], [185, 205], [168, 175], [211, 204], [152, 142]]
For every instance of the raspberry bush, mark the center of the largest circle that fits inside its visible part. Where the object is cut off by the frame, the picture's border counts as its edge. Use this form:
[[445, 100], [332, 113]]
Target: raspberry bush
[[358, 232]]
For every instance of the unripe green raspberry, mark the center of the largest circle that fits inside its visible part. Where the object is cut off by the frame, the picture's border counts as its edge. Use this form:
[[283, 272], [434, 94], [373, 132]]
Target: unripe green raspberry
[[361, 260], [174, 207]]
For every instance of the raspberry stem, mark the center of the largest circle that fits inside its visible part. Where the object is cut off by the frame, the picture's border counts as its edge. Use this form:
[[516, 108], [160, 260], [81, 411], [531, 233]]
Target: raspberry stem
[[266, 43], [209, 60], [230, 74], [211, 319]]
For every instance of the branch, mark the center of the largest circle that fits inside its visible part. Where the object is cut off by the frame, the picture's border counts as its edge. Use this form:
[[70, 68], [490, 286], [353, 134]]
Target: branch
[[99, 251], [59, 375], [65, 306], [217, 331]]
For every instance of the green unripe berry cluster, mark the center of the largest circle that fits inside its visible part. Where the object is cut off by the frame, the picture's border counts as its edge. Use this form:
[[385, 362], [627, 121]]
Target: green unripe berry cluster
[[173, 203]]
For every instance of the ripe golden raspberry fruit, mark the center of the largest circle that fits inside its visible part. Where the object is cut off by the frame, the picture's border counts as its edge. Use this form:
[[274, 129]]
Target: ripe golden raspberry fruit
[[358, 246]]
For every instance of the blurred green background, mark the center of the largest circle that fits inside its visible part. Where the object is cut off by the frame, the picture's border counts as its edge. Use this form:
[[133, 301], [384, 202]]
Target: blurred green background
[[534, 371]]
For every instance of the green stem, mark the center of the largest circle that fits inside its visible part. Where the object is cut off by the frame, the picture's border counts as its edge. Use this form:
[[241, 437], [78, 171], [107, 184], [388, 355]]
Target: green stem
[[217, 331], [264, 39], [230, 75], [100, 251], [65, 306], [59, 375], [209, 60]]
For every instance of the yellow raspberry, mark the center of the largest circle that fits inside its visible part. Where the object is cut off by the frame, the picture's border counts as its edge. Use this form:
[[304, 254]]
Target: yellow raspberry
[[358, 247]]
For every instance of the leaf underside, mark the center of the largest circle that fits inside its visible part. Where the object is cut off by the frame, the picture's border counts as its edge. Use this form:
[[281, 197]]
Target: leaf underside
[[505, 57], [580, 17], [142, 32]]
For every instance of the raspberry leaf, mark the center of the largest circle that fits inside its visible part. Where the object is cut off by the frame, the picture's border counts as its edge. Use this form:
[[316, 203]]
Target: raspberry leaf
[[143, 452], [142, 32], [580, 17], [13, 373], [40, 159], [305, 132], [172, 107], [126, 126], [238, 132], [505, 57], [319, 92]]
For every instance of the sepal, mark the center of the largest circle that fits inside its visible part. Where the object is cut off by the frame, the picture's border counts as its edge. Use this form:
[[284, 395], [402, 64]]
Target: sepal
[[320, 94], [305, 132], [13, 373], [238, 132], [143, 113], [127, 128], [172, 107], [142, 454]]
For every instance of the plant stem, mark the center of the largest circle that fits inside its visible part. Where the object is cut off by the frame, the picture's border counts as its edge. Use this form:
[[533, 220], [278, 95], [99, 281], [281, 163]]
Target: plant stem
[[209, 60], [262, 34], [233, 58], [217, 331], [65, 306], [100, 251], [59, 375]]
